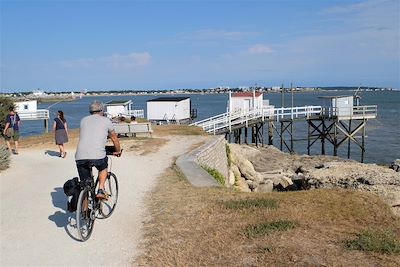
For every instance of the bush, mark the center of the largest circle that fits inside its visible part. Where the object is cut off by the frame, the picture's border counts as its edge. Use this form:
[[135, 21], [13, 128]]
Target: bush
[[4, 157], [5, 104], [216, 174]]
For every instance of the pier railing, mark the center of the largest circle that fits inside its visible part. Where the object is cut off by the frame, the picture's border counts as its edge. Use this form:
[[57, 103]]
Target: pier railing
[[40, 114], [225, 121], [355, 112]]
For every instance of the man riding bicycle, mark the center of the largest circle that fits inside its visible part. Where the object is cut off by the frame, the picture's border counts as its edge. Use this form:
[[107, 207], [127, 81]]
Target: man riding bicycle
[[94, 130]]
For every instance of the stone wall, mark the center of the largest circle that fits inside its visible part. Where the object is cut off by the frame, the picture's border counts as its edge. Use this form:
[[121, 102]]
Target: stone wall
[[213, 155]]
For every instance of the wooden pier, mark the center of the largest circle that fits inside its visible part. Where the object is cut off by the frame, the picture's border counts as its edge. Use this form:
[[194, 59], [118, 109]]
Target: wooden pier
[[40, 114], [336, 126]]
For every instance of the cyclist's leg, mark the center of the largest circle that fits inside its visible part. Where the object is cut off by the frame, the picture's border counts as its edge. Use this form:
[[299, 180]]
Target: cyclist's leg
[[102, 166], [84, 170]]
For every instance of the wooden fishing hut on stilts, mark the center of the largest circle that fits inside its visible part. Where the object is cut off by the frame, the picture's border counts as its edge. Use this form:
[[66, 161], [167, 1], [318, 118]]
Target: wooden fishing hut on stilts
[[338, 121]]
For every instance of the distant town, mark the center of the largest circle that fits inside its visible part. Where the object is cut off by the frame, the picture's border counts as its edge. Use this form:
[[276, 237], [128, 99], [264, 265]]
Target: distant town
[[44, 95]]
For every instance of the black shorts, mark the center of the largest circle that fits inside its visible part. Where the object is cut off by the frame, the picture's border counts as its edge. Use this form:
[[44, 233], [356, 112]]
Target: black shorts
[[84, 165]]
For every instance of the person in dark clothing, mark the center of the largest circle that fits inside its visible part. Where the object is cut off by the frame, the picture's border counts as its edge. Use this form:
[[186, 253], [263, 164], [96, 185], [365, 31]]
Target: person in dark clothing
[[60, 132], [11, 129]]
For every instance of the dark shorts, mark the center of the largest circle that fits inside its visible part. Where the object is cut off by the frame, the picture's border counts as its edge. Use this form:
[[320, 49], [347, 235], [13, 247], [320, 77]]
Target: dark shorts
[[14, 136], [84, 165]]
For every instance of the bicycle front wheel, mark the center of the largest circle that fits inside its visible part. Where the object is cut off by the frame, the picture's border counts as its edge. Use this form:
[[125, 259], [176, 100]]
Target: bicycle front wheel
[[85, 214], [111, 187]]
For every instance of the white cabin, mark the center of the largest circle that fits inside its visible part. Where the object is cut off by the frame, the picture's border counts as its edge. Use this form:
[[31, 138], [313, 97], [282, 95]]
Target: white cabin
[[341, 106], [118, 108], [25, 106], [245, 101], [167, 109]]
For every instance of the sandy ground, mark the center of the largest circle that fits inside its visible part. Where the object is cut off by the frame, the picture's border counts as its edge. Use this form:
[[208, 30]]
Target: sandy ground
[[37, 230]]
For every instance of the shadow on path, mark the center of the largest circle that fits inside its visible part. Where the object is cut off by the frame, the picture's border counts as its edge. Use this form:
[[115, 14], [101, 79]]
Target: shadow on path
[[52, 153], [62, 218]]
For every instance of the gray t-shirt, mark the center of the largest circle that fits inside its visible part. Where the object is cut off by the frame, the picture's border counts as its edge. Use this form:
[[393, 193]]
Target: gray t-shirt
[[94, 130]]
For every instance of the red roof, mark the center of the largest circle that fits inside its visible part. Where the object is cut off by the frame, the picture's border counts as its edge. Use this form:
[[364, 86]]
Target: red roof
[[246, 94]]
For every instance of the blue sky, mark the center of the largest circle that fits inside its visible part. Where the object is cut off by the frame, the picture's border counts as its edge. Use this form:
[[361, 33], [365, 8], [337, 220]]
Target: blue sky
[[104, 45]]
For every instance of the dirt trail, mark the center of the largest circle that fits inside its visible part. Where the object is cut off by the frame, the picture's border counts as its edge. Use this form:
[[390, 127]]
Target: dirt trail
[[37, 230]]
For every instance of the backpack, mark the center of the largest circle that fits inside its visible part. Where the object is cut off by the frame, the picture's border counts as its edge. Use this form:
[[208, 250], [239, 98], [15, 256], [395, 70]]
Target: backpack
[[72, 188]]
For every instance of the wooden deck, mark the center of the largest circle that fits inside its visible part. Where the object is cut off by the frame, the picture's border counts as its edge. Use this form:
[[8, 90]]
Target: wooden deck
[[226, 122]]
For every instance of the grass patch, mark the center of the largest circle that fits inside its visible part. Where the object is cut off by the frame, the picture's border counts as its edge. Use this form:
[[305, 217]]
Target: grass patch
[[216, 174], [381, 241], [267, 228], [251, 203]]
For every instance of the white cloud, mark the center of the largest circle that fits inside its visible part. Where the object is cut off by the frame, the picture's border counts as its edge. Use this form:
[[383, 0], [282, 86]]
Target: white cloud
[[113, 61], [211, 34], [259, 49]]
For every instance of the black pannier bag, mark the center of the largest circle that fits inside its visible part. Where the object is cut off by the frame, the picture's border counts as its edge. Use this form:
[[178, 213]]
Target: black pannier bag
[[72, 188]]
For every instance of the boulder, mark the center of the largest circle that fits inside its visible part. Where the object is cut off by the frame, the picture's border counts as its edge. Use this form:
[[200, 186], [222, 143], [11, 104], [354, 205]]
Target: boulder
[[282, 181], [231, 179], [395, 165], [266, 187], [242, 185]]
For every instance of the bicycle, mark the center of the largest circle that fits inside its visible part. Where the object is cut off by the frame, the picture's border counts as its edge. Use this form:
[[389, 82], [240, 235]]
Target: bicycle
[[89, 207]]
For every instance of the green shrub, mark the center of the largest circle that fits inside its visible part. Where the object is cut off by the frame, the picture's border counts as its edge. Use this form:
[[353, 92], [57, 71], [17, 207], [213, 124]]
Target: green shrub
[[266, 228], [216, 174], [228, 155], [251, 203], [4, 157], [5, 104], [381, 241]]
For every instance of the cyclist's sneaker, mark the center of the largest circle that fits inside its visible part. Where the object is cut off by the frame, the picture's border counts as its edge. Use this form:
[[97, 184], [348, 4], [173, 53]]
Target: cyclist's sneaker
[[101, 194]]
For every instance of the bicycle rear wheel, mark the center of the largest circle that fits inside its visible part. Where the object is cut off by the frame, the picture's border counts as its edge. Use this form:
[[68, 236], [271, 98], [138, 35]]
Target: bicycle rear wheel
[[111, 187], [85, 214]]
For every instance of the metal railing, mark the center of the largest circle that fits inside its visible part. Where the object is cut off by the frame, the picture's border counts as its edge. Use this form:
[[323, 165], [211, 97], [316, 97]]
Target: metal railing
[[40, 114]]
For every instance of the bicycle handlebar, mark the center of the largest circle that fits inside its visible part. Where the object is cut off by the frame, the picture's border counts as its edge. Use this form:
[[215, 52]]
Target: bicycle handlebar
[[110, 151]]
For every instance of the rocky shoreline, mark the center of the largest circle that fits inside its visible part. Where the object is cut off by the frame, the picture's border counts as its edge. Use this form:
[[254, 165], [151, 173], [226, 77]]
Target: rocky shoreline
[[268, 169]]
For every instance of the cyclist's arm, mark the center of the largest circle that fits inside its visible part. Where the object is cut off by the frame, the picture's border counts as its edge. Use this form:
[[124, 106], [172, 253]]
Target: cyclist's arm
[[114, 138], [6, 127]]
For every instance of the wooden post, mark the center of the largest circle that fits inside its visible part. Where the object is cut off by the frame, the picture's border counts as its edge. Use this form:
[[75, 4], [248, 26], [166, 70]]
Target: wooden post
[[362, 143], [323, 137], [335, 147], [291, 137], [308, 138], [349, 142], [281, 135], [46, 125], [270, 133]]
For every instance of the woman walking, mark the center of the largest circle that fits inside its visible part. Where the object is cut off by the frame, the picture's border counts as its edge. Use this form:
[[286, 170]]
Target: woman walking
[[61, 132]]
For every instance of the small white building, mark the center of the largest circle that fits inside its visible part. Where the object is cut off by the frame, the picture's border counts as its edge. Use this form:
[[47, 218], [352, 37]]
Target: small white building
[[27, 110], [25, 106], [341, 106], [169, 109], [118, 108], [245, 101]]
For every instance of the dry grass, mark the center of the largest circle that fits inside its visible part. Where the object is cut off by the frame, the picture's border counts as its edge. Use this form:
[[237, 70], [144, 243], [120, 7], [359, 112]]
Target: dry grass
[[47, 139], [195, 227], [173, 129]]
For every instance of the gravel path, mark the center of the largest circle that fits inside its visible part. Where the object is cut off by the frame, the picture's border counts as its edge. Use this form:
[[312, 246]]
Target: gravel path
[[37, 230]]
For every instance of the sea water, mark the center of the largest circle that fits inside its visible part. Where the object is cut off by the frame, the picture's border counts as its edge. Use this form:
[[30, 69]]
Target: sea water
[[383, 133]]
